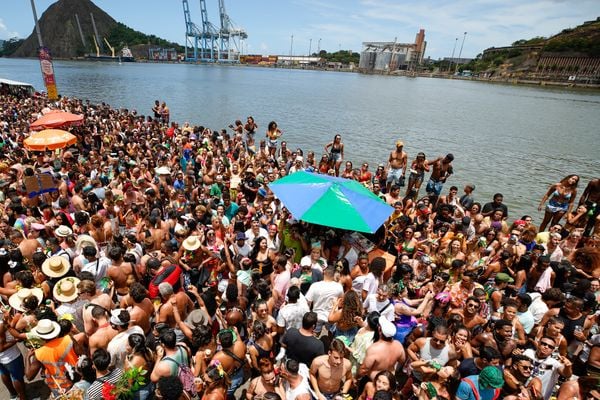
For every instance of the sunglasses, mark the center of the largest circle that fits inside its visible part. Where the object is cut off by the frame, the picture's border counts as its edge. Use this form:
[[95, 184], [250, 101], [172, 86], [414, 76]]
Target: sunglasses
[[438, 341], [526, 367], [547, 345]]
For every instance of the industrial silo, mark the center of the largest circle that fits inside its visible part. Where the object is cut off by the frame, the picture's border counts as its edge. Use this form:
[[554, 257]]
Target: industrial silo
[[367, 59], [382, 63]]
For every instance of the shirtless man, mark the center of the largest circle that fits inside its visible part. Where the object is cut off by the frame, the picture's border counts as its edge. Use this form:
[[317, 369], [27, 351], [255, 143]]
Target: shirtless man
[[536, 272], [591, 199], [120, 272], [470, 314], [140, 307], [500, 339], [442, 169], [180, 300], [77, 201], [27, 246], [329, 371], [385, 354], [396, 165], [104, 333], [393, 196], [87, 290], [232, 358]]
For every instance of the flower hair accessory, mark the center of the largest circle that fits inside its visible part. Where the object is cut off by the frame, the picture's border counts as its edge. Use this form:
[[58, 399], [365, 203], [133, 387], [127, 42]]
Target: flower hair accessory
[[217, 364]]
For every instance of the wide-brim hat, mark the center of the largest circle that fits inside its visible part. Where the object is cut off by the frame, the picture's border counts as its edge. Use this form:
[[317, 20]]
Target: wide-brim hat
[[191, 243], [63, 231], [16, 300], [197, 318], [66, 290], [55, 267], [163, 171], [46, 329]]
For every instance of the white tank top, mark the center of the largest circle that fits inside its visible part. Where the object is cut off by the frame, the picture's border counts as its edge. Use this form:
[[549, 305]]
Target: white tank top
[[10, 354]]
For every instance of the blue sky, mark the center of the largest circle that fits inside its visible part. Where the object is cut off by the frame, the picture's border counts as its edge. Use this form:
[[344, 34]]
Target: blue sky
[[342, 24]]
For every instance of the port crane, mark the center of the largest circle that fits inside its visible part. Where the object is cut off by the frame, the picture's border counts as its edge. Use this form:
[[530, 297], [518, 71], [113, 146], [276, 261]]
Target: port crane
[[230, 37], [112, 49], [209, 43]]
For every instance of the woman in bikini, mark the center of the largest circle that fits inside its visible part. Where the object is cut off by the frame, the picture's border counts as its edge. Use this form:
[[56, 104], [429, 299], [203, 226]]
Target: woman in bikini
[[409, 243], [261, 346], [417, 173], [273, 133], [348, 172], [561, 197], [262, 257], [336, 154]]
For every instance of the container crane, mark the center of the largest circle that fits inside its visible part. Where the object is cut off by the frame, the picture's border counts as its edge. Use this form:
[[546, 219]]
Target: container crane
[[209, 43], [202, 40], [230, 37]]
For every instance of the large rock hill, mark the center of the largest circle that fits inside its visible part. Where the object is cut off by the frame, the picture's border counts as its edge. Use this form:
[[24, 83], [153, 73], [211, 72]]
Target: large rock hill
[[60, 33]]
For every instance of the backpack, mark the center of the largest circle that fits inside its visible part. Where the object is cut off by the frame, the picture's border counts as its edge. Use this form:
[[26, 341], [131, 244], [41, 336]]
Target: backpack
[[186, 376]]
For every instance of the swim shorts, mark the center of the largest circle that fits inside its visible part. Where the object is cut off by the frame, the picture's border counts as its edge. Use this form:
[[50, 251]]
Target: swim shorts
[[434, 187], [394, 175]]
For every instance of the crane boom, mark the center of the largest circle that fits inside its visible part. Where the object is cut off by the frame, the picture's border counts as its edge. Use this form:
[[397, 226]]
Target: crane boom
[[112, 49], [97, 48]]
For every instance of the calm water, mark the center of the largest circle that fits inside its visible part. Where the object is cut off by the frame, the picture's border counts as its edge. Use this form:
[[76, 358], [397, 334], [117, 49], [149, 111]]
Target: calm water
[[515, 140]]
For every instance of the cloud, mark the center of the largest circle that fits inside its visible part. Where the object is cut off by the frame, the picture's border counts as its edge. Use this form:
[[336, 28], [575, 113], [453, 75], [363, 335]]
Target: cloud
[[6, 33], [487, 22]]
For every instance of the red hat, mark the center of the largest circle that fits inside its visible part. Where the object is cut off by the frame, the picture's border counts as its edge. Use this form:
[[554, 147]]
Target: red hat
[[127, 186], [520, 222]]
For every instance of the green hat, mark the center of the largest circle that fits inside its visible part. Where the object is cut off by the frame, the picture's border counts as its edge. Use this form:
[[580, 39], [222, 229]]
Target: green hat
[[491, 377], [503, 277]]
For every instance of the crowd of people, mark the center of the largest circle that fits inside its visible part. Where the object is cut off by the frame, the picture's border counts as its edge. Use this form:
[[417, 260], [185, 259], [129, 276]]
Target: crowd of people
[[161, 266]]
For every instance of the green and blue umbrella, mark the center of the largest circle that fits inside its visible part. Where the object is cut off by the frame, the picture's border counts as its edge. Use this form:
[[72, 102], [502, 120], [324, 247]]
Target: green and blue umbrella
[[330, 201]]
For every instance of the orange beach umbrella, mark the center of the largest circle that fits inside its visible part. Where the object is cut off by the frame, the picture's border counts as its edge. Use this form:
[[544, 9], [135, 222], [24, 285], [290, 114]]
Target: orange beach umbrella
[[56, 119], [49, 139]]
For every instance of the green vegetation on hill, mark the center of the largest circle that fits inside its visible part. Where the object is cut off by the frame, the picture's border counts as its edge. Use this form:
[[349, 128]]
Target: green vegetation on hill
[[588, 46], [122, 35], [10, 46], [343, 56], [583, 40]]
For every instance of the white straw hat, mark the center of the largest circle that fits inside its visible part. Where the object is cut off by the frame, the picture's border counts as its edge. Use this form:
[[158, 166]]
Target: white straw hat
[[16, 300], [46, 329]]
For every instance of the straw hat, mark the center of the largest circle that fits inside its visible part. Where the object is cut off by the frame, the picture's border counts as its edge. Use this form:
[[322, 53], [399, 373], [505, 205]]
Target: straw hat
[[55, 267], [16, 300], [46, 329], [63, 231], [84, 241], [191, 243], [65, 290]]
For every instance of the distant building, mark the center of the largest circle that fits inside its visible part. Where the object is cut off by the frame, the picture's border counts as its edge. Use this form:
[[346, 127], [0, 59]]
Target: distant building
[[258, 59], [298, 60], [160, 54], [392, 56]]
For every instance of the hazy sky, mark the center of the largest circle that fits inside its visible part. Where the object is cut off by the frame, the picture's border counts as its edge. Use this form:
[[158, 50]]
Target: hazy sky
[[342, 24]]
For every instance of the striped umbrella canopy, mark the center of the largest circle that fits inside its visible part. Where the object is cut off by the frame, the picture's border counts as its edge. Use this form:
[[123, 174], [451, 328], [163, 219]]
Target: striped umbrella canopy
[[330, 201]]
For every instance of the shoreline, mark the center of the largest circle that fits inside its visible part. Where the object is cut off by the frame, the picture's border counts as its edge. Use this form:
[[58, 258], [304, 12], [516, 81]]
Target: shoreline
[[531, 82]]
